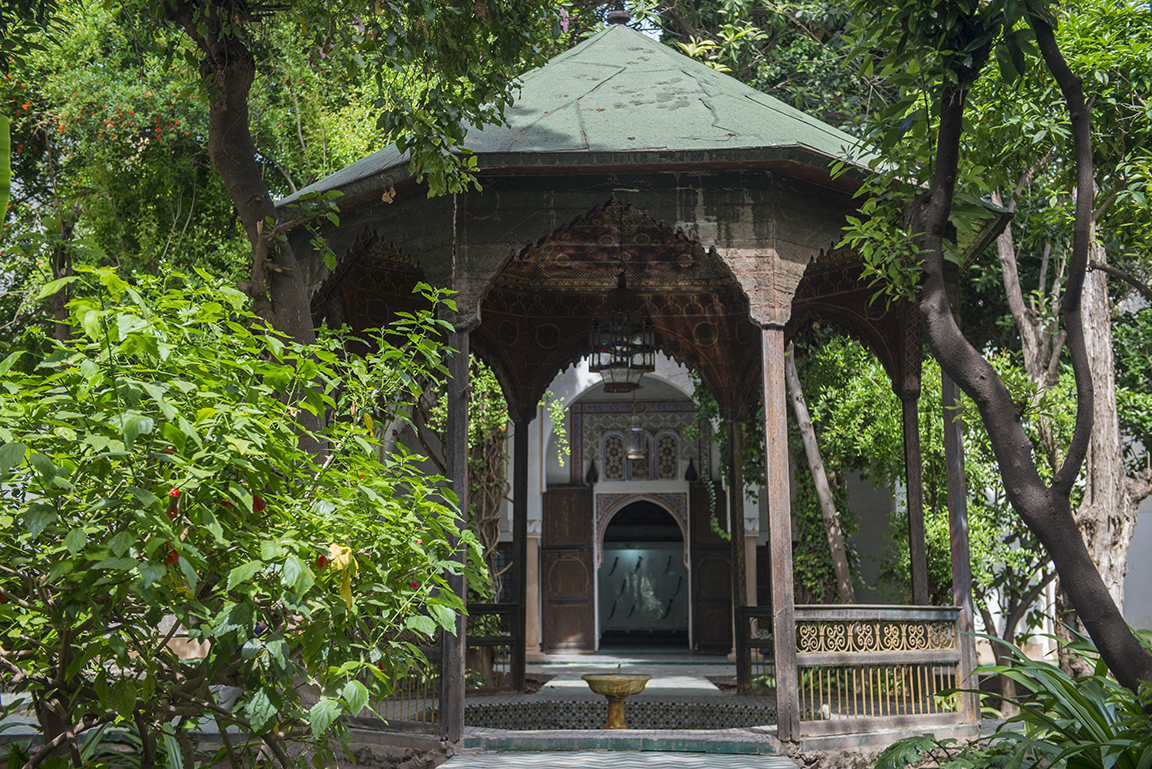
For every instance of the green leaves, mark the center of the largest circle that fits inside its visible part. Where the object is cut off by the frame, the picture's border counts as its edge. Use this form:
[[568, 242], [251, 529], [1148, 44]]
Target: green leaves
[[242, 574], [121, 698], [421, 624], [11, 454], [170, 494], [261, 708], [297, 576], [1086, 723], [322, 714], [356, 695]]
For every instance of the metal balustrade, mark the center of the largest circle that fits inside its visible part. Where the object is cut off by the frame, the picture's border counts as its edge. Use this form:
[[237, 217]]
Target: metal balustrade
[[414, 702], [491, 642], [862, 668]]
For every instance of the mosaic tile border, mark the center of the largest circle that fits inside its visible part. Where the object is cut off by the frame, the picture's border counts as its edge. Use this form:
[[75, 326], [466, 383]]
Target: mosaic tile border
[[580, 715]]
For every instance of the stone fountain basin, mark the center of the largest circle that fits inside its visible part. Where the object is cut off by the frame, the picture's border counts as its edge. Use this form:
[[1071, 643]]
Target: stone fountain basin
[[616, 684]]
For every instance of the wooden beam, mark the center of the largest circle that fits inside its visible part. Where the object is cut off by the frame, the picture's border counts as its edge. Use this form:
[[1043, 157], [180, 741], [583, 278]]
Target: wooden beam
[[780, 533], [456, 450]]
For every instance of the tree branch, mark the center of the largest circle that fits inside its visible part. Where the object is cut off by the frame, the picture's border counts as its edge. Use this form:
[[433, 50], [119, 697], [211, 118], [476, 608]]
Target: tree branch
[[1144, 289], [1027, 600]]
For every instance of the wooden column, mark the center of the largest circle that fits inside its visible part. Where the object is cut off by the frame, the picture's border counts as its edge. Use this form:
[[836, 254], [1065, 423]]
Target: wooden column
[[780, 533], [456, 450], [958, 539], [736, 524], [520, 439], [914, 481]]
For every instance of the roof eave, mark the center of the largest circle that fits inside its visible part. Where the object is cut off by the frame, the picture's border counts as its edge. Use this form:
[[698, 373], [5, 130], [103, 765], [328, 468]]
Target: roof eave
[[797, 161]]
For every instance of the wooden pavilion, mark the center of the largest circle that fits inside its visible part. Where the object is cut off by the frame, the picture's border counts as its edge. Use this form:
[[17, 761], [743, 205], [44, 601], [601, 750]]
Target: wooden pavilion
[[718, 203]]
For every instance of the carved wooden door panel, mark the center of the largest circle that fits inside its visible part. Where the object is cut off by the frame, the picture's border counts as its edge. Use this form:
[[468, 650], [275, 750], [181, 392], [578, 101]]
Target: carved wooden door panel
[[567, 569], [711, 562]]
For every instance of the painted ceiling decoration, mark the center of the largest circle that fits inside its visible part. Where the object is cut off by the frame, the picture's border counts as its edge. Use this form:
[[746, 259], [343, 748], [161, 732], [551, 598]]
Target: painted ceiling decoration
[[535, 318], [585, 256]]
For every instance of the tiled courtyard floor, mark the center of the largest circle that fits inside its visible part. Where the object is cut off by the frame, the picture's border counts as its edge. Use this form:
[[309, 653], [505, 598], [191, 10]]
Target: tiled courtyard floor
[[678, 679]]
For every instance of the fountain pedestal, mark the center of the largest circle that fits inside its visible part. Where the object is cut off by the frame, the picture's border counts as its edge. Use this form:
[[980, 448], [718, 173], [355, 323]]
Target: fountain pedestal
[[616, 688]]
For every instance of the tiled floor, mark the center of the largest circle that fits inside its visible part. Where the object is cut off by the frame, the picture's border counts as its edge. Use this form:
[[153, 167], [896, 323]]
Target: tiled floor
[[677, 678], [610, 760], [679, 695]]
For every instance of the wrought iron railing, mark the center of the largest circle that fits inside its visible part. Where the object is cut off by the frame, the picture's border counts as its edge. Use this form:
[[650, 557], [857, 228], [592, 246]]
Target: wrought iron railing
[[414, 702], [755, 650], [865, 667], [492, 635]]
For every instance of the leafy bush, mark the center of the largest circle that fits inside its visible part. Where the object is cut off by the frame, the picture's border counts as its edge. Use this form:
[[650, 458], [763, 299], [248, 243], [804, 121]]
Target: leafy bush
[[1078, 723], [160, 479]]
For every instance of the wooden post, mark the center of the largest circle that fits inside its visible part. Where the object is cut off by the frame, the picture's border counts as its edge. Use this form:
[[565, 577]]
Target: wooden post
[[456, 450], [958, 539], [780, 533], [736, 526], [914, 481], [520, 543]]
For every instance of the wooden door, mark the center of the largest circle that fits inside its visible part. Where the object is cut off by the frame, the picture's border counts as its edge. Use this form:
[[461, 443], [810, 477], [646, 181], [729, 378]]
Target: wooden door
[[711, 563], [567, 570]]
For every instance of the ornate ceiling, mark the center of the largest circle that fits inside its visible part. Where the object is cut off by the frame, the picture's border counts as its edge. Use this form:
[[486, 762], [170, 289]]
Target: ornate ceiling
[[535, 318]]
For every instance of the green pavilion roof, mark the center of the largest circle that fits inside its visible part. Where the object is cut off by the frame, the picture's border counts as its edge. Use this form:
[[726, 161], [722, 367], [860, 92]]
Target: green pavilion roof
[[622, 92]]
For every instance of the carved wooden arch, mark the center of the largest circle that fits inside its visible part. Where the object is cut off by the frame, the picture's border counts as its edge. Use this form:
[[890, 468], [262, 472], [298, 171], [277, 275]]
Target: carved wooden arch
[[370, 285], [536, 314], [608, 505], [833, 290]]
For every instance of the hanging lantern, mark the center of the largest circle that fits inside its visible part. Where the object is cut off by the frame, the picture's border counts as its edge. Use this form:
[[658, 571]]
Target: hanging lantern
[[623, 346], [637, 448]]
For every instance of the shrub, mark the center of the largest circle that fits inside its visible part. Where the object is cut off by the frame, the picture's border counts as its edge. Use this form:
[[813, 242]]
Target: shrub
[[1079, 723], [157, 481]]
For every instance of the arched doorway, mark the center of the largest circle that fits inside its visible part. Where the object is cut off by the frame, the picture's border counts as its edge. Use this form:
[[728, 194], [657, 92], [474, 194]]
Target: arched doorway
[[643, 580]]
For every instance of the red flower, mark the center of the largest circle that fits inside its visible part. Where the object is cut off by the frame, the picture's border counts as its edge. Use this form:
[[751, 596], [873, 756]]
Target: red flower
[[321, 561], [258, 504], [4, 599], [174, 493], [414, 585], [172, 557], [172, 511]]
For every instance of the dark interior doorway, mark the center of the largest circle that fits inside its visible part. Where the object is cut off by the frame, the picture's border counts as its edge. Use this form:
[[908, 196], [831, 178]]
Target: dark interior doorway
[[643, 579]]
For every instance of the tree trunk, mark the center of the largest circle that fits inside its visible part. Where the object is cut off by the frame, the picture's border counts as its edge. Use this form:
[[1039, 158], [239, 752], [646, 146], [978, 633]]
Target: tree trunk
[[61, 257], [1045, 509], [1106, 515], [277, 286], [823, 490]]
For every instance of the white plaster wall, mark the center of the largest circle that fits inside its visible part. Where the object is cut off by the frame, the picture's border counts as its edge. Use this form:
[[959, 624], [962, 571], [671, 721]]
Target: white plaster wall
[[1138, 583], [670, 380]]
